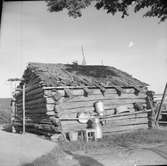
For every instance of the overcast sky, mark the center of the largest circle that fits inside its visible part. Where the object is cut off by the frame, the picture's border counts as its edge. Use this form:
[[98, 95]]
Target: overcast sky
[[30, 33]]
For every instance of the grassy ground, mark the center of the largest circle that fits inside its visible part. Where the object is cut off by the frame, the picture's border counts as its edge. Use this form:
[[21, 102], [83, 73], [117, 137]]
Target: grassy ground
[[5, 110], [124, 140]]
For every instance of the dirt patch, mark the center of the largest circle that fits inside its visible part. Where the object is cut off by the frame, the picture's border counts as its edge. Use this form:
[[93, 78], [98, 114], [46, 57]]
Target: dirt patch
[[16, 149]]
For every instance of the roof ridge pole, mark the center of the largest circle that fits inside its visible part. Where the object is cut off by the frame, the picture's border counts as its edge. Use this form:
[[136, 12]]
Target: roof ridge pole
[[83, 55]]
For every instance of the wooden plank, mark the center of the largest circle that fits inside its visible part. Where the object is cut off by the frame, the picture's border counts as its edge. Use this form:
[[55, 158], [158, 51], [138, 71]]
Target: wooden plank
[[31, 97], [78, 92], [127, 114], [162, 122], [118, 89], [85, 109], [32, 102], [122, 116], [74, 105], [101, 97], [37, 110], [123, 122], [74, 125], [164, 113], [124, 128], [33, 107]]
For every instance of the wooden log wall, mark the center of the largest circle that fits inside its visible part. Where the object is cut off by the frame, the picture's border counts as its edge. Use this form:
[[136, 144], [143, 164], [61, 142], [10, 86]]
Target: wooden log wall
[[67, 107], [79, 103], [66, 103], [35, 106], [114, 123]]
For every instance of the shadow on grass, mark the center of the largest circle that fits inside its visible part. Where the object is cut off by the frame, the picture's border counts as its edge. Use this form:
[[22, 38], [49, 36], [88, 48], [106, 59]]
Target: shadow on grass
[[85, 160], [52, 159]]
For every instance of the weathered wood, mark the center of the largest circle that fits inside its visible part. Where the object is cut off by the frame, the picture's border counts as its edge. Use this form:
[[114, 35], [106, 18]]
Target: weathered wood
[[84, 109], [100, 97], [35, 108], [134, 115], [110, 129], [31, 97], [126, 121], [127, 116], [39, 105], [79, 92], [125, 89], [76, 126], [32, 102], [119, 90], [75, 105]]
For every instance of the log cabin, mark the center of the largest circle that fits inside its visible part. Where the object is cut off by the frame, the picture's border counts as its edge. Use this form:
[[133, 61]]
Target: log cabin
[[68, 90]]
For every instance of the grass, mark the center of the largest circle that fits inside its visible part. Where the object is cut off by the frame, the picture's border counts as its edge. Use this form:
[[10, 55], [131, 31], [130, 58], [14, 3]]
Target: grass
[[5, 111], [125, 140], [151, 136], [57, 154]]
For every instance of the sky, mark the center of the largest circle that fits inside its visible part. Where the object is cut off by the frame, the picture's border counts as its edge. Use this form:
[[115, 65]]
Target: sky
[[30, 33]]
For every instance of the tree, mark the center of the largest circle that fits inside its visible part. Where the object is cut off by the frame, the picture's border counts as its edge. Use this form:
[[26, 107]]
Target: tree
[[155, 8]]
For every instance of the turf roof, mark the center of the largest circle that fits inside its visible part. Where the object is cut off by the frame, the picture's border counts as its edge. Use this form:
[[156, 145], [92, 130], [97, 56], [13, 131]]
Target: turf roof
[[81, 75]]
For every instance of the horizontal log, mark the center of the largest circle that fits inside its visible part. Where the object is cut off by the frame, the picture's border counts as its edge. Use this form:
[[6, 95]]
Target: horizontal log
[[33, 120], [143, 112], [37, 127], [124, 122], [75, 126], [95, 98], [34, 92], [33, 110], [92, 113], [125, 89], [31, 91], [138, 114], [126, 116], [39, 115], [35, 80], [40, 132], [78, 92], [33, 86], [31, 97], [34, 130], [123, 128], [39, 105], [86, 109], [32, 102], [74, 105], [92, 91]]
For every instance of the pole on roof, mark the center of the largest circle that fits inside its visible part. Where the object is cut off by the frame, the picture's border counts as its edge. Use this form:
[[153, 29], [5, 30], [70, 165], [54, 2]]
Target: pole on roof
[[83, 55], [102, 62]]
